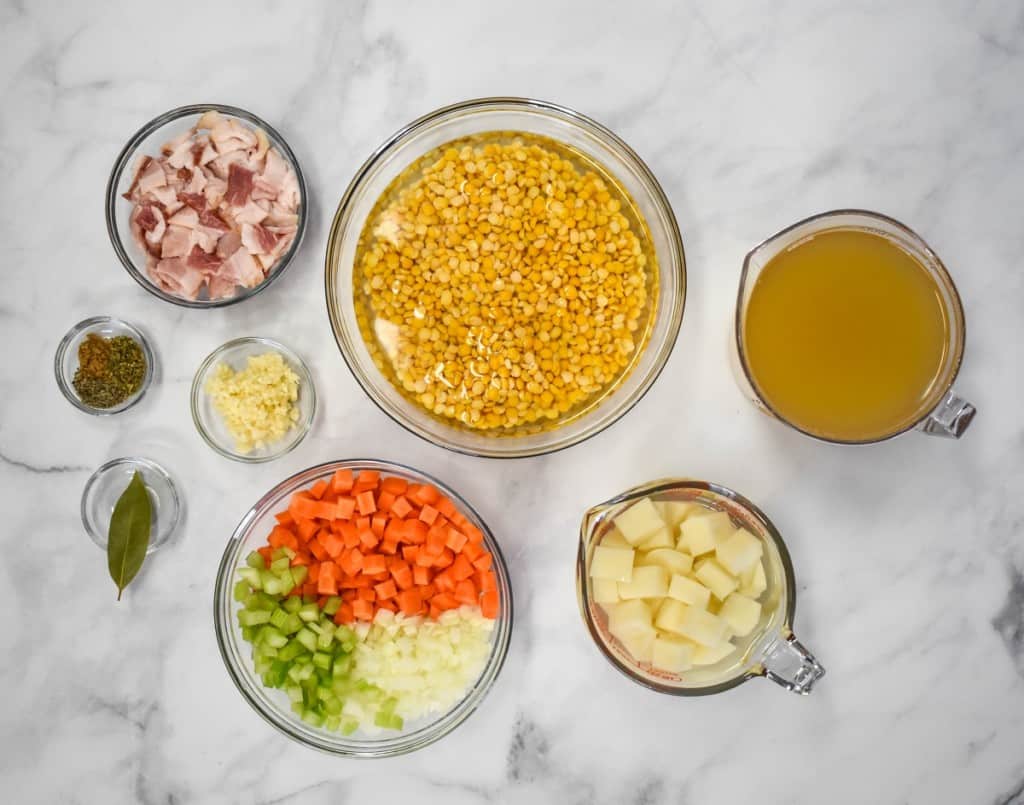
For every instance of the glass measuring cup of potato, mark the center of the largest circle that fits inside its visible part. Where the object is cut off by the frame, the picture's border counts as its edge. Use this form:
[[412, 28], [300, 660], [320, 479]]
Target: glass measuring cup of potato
[[849, 329], [770, 650]]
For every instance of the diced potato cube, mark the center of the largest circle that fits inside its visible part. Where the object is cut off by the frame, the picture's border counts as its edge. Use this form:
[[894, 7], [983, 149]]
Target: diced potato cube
[[639, 521], [709, 655], [615, 564], [629, 617], [604, 591], [640, 646], [670, 615], [689, 591], [613, 539], [716, 578], [685, 621], [738, 552], [649, 581], [673, 512], [672, 561], [741, 613], [672, 654], [662, 538], [701, 534], [753, 582]]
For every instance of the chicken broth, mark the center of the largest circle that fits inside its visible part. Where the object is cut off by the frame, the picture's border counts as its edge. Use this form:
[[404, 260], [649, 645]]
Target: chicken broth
[[845, 335]]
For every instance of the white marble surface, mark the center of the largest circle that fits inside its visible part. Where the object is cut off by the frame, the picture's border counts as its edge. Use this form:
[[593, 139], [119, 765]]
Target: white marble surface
[[909, 555]]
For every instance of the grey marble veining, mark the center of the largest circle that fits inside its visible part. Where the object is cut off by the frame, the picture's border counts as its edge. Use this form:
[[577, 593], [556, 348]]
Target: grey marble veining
[[909, 554]]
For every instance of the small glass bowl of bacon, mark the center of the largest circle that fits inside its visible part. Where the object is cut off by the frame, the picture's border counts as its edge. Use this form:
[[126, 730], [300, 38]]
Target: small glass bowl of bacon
[[206, 205]]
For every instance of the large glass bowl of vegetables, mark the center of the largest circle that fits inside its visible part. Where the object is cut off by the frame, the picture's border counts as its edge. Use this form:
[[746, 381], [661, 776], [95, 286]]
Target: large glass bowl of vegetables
[[318, 662]]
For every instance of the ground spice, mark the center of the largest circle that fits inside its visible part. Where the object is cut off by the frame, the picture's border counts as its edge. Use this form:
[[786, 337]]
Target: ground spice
[[110, 370]]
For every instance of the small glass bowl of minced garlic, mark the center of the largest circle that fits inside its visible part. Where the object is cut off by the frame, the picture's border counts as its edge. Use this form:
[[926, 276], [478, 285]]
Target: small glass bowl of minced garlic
[[104, 365], [253, 400]]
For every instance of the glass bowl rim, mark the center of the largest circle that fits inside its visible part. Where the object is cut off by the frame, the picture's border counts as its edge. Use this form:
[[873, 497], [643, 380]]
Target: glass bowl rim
[[290, 356], [652, 488], [651, 185], [427, 734], [959, 346], [121, 164], [149, 464], [83, 327]]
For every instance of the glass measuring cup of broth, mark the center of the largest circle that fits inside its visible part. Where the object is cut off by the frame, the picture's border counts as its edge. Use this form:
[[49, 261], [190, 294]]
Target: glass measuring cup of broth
[[769, 649], [848, 328]]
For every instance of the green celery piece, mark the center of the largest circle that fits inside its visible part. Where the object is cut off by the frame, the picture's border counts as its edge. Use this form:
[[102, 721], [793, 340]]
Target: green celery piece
[[278, 553], [299, 574], [251, 575], [294, 693], [298, 708], [382, 719], [348, 726], [255, 559], [292, 624], [241, 590], [307, 638], [278, 673], [333, 604], [315, 627], [332, 722], [396, 722], [261, 664], [248, 633], [287, 551], [292, 604], [324, 641], [309, 612], [342, 665], [389, 705], [253, 617], [264, 601], [279, 617], [273, 637], [321, 660], [273, 586], [292, 650], [313, 718], [309, 599]]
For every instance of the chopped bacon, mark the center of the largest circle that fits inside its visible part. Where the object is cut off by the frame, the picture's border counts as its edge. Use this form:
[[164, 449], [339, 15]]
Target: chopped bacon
[[239, 185], [212, 220], [197, 258], [197, 201], [146, 218], [258, 239]]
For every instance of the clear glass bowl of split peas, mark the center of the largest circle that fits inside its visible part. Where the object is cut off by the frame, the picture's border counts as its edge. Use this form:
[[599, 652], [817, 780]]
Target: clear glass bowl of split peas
[[505, 277]]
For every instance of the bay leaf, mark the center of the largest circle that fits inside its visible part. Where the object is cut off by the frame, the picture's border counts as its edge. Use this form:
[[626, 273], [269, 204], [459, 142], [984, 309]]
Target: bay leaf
[[128, 535]]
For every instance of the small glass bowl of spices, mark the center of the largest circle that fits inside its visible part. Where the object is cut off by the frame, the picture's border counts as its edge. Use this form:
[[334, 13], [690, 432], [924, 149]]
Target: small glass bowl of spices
[[253, 400], [103, 365]]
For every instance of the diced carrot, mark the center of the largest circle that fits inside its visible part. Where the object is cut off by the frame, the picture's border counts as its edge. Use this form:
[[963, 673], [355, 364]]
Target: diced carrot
[[410, 552], [351, 561], [385, 501], [363, 523], [317, 550], [394, 485], [471, 531], [388, 546], [362, 610], [424, 559], [445, 559], [366, 594], [489, 604], [317, 490], [347, 594], [327, 584], [368, 540], [483, 562], [346, 507], [344, 614], [427, 494], [410, 602], [307, 529], [473, 551], [331, 542], [466, 592], [303, 508], [415, 531], [342, 481], [366, 503], [301, 558], [314, 572], [309, 588], [348, 533], [421, 575], [445, 582], [446, 507], [402, 575], [487, 581], [435, 544], [427, 590], [377, 524], [461, 568], [267, 553], [386, 589], [368, 479], [324, 510], [435, 612], [278, 536], [388, 605], [456, 540], [401, 508], [285, 518], [374, 563], [428, 514], [444, 601]]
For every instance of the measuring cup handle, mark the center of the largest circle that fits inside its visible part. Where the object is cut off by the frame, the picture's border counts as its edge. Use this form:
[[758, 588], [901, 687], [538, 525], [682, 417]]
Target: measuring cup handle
[[788, 663], [950, 418]]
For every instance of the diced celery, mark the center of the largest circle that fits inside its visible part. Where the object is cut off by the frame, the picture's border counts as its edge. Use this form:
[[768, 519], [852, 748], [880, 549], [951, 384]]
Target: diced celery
[[287, 585], [251, 575], [292, 604], [332, 722], [294, 693], [264, 601], [321, 660], [279, 617], [297, 706], [309, 599], [299, 574], [261, 664], [268, 651], [253, 617], [307, 638], [287, 551], [333, 603], [255, 559], [315, 627], [291, 651], [382, 719], [313, 718], [277, 554], [241, 591], [325, 641], [272, 585], [348, 726], [309, 612], [342, 664], [248, 633], [280, 564], [272, 637], [277, 674], [292, 624]]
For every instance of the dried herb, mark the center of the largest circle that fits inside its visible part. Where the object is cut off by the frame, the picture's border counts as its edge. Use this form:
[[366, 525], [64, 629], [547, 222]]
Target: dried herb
[[128, 536], [110, 370]]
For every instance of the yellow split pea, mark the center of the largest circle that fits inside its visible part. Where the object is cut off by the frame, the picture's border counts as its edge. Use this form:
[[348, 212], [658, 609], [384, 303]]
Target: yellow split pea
[[499, 282]]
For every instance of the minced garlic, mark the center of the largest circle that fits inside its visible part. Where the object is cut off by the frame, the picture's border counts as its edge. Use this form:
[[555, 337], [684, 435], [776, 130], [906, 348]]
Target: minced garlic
[[258, 403]]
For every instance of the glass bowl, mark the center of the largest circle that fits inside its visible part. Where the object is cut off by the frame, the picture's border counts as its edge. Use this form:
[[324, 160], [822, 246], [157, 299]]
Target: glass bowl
[[208, 421], [106, 485], [596, 144], [770, 650], [148, 140], [66, 360], [273, 704]]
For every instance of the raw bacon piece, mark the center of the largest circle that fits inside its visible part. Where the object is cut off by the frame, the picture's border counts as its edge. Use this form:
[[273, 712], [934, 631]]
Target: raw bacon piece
[[263, 190], [258, 239], [242, 269], [197, 201], [186, 217], [251, 213], [197, 258], [176, 274], [228, 244], [239, 185], [176, 242], [152, 177], [211, 219]]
